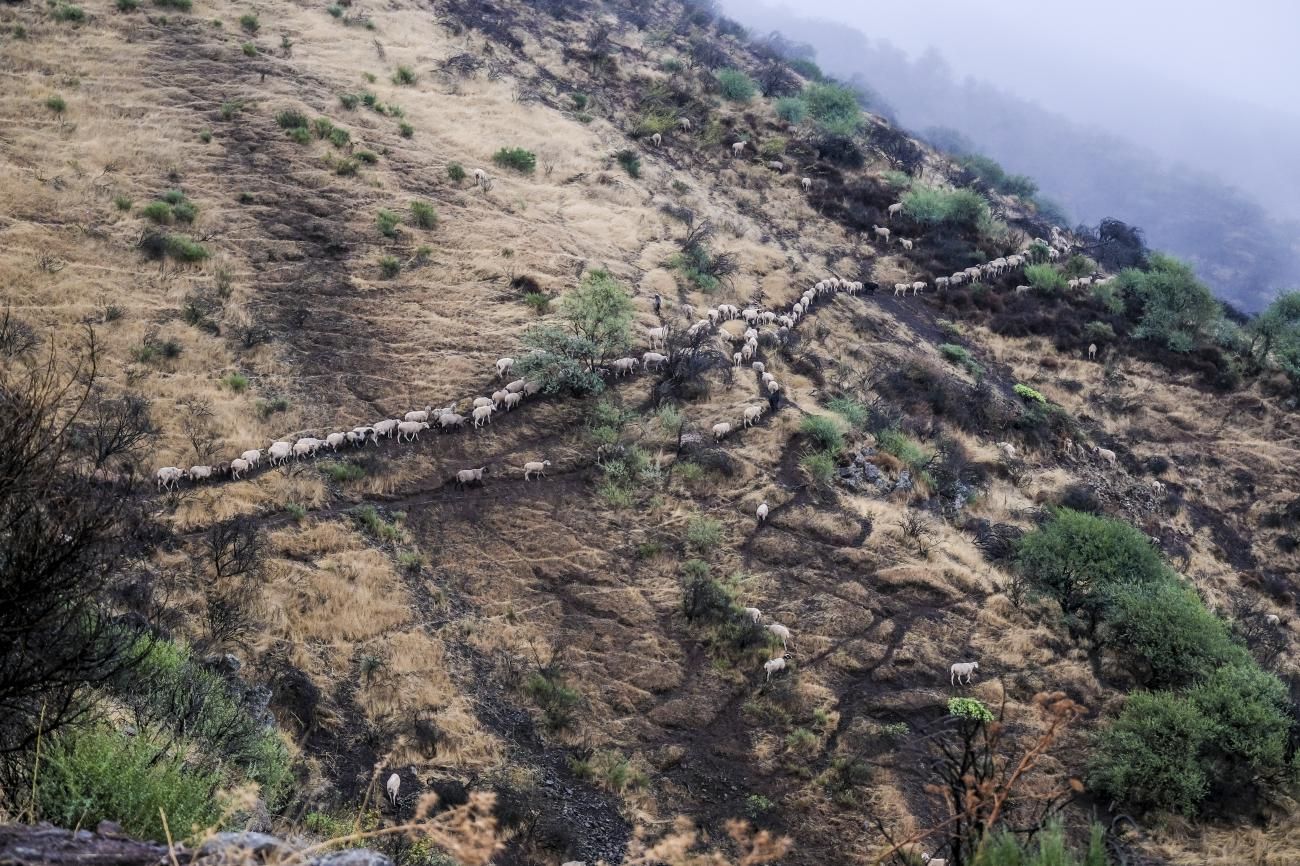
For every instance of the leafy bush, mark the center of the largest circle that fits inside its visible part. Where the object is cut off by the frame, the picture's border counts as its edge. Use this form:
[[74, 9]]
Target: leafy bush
[[122, 202], [969, 708], [853, 412], [516, 158], [456, 172], [404, 75], [405, 129], [913, 455], [630, 161], [248, 23], [819, 467], [1027, 393], [1049, 847], [349, 100], [960, 208], [291, 119], [185, 249], [960, 356], [1150, 755], [389, 266], [386, 221], [540, 302], [995, 177], [101, 773], [423, 215], [773, 147], [127, 5], [598, 322], [1045, 279], [559, 702], [1176, 308], [157, 211], [791, 109], [56, 104], [249, 49], [1078, 265], [236, 382], [703, 534], [824, 431], [340, 137], [833, 107], [69, 12], [735, 85], [341, 471]]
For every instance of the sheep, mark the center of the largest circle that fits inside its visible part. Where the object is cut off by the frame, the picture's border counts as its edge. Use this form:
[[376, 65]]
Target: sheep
[[410, 430], [1008, 449], [905, 243], [729, 311], [1105, 454], [1092, 351], [482, 180], [755, 615], [900, 289], [394, 785], [934, 861], [535, 466], [774, 666], [806, 183], [531, 388], [767, 377], [776, 165], [720, 431], [737, 359], [881, 233], [748, 351], [656, 139], [962, 669], [1022, 290], [773, 386], [738, 148], [918, 287], [1272, 619], [653, 358], [483, 401], [896, 207], [386, 427], [169, 477], [449, 420], [334, 440], [658, 336], [624, 366], [306, 446], [512, 400], [418, 415], [504, 366], [252, 457], [750, 315], [941, 283], [684, 123], [1073, 284], [199, 473], [780, 631], [238, 467], [465, 477], [761, 512], [221, 469], [356, 439], [279, 452], [712, 313], [516, 386], [752, 414], [498, 396], [482, 414], [759, 367]]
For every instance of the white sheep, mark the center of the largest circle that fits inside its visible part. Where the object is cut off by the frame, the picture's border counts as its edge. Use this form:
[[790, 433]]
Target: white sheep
[[169, 477], [761, 512], [720, 431], [279, 452], [806, 183], [535, 466], [386, 427], [738, 148], [1272, 619], [466, 477], [881, 233], [409, 431], [656, 139], [1105, 454], [755, 615], [654, 358], [934, 861], [307, 446], [623, 366], [941, 283], [334, 440], [448, 420], [737, 358], [962, 669], [900, 289], [481, 179], [516, 386], [504, 366], [498, 396], [199, 473], [1007, 449], [776, 165], [773, 386], [767, 378], [238, 467], [418, 414], [773, 666], [896, 207], [252, 456], [759, 367], [684, 123], [512, 400], [481, 401], [918, 287], [905, 243], [483, 414], [1092, 351], [394, 785], [658, 336], [753, 413], [780, 631]]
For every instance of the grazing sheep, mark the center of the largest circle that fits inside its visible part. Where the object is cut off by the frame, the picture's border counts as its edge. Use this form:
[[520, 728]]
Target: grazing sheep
[[499, 396], [806, 183], [386, 427], [773, 666], [962, 669], [531, 388], [656, 139], [481, 180], [623, 366], [169, 477], [516, 386], [738, 148], [881, 233], [1007, 449], [307, 446], [654, 358], [753, 413], [512, 400], [684, 123], [418, 415], [720, 431], [905, 243], [755, 615], [482, 414], [780, 631], [484, 401], [918, 287], [762, 512], [896, 207], [449, 420], [1022, 290], [238, 467], [279, 452], [252, 457], [941, 283], [773, 386], [394, 785], [504, 366], [767, 378], [1073, 284], [759, 367], [1105, 454], [1092, 351], [1272, 619], [535, 466], [776, 165], [334, 440], [465, 477], [199, 473], [409, 431]]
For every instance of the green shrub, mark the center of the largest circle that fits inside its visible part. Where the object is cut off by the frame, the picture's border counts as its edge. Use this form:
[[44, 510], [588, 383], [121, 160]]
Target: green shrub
[[322, 127], [423, 215], [387, 221], [559, 702], [340, 137], [68, 12], [1049, 847], [853, 412], [825, 432], [579, 101], [300, 135], [127, 5], [819, 467], [158, 211], [516, 158], [1027, 393], [369, 157], [960, 208], [404, 75], [341, 472], [756, 806], [231, 108], [913, 455], [236, 382], [736, 85], [1098, 332], [185, 249], [898, 180], [56, 104], [1176, 308], [969, 708], [389, 267], [807, 68], [250, 50], [791, 109], [291, 119], [833, 107], [248, 23], [456, 172], [1078, 265], [405, 129], [185, 211], [205, 136], [597, 326], [538, 301], [1046, 279], [122, 202], [703, 534], [335, 10], [773, 147], [100, 773], [630, 161], [654, 121], [960, 356], [994, 176], [349, 100], [296, 511], [368, 518]]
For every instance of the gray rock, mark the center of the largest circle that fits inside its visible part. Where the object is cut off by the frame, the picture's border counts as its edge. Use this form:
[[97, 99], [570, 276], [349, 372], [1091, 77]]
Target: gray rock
[[235, 848], [352, 857]]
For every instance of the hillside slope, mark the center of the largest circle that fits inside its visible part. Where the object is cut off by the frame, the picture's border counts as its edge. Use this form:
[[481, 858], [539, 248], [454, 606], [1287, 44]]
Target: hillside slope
[[569, 642]]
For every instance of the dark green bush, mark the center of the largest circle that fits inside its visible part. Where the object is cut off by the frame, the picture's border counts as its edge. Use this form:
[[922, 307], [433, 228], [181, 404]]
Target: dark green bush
[[516, 158], [791, 109], [423, 215], [404, 75], [1176, 308], [387, 222], [824, 432], [56, 104], [1045, 279], [158, 211], [340, 137], [291, 119], [959, 208], [819, 466], [185, 249], [248, 23], [630, 161], [405, 129], [349, 100], [389, 266], [558, 701], [853, 412], [735, 85], [249, 49], [833, 107], [703, 534], [128, 5], [456, 172], [68, 12]]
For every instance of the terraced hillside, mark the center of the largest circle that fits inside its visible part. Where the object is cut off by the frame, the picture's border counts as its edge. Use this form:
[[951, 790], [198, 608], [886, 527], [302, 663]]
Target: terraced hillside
[[268, 218]]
